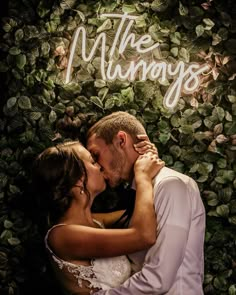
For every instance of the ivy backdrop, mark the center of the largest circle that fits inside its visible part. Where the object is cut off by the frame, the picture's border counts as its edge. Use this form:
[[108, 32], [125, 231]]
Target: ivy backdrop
[[198, 137]]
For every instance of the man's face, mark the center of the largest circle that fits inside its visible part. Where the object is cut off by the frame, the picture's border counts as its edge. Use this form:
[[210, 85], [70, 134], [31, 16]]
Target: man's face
[[109, 158]]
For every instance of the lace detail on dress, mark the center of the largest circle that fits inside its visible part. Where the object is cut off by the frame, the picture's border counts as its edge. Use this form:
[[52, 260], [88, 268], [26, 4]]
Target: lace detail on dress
[[81, 272], [103, 273]]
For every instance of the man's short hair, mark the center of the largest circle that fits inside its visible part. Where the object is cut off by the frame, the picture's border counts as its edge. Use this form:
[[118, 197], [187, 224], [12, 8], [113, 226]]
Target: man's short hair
[[107, 127]]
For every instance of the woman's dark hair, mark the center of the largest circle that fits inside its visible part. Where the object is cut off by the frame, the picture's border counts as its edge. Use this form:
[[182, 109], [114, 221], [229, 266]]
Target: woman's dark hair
[[55, 172]]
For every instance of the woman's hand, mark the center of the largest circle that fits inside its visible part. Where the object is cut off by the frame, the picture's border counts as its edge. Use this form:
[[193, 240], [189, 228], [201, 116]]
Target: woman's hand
[[147, 166], [145, 146]]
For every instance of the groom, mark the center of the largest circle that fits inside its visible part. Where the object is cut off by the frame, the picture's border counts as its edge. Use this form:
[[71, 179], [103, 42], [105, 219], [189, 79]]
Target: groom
[[174, 265]]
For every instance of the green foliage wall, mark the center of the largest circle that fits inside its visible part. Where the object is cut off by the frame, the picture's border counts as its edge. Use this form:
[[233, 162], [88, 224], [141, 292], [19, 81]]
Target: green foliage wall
[[197, 138]]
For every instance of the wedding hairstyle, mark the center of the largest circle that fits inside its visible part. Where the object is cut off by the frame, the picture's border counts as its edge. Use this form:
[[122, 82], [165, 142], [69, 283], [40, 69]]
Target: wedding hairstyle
[[107, 127], [55, 172]]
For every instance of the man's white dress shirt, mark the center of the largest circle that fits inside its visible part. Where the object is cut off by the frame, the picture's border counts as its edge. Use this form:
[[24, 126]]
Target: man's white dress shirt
[[174, 265]]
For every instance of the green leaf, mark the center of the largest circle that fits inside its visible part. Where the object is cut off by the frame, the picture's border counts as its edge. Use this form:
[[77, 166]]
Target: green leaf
[[208, 122], [202, 178], [67, 4], [218, 113], [184, 54], [14, 51], [100, 83], [205, 168], [35, 116], [3, 67], [225, 194], [14, 189], [232, 290], [3, 180], [20, 61], [220, 179], [24, 103], [186, 129], [6, 234], [230, 128], [19, 34], [159, 5], [164, 137], [97, 101], [175, 120], [45, 48], [150, 116], [175, 150], [174, 51], [183, 10], [110, 102], [209, 23], [232, 220], [194, 168], [222, 210], [232, 98], [226, 175], [178, 166], [3, 259], [199, 30], [128, 94], [175, 38], [140, 22], [8, 224], [52, 116], [167, 159], [213, 202], [7, 27], [221, 163], [59, 108], [14, 241], [11, 102], [128, 8], [107, 25], [228, 116]]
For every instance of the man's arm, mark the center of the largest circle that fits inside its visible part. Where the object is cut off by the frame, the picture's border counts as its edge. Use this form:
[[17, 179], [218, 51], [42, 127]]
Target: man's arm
[[173, 208]]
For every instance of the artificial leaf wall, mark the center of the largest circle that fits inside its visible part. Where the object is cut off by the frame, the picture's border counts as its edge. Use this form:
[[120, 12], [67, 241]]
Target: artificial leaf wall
[[197, 137]]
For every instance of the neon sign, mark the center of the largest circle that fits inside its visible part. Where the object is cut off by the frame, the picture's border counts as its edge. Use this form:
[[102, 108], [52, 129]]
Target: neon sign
[[185, 77]]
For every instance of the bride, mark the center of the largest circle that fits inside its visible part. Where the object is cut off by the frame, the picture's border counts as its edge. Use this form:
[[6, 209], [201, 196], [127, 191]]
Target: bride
[[85, 256]]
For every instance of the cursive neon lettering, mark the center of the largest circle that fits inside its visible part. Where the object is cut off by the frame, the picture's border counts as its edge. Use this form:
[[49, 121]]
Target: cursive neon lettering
[[185, 77]]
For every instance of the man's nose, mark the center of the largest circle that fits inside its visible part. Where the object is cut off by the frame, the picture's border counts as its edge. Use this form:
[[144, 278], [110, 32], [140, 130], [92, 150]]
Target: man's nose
[[101, 169]]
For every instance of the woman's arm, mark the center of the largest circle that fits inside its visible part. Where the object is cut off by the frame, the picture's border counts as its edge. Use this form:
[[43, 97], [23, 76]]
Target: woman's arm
[[83, 242], [108, 219]]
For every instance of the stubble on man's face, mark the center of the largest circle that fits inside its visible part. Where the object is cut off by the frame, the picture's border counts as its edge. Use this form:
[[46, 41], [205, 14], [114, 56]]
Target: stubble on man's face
[[109, 158], [114, 170]]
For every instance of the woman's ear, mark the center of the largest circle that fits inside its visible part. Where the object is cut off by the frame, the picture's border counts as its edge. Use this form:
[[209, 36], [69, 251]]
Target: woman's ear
[[79, 185]]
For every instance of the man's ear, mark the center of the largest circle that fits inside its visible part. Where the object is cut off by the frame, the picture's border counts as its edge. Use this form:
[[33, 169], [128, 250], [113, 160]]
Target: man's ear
[[120, 139]]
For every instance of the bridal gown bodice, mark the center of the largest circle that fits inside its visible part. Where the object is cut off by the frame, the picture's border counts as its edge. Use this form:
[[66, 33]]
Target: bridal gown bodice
[[101, 274]]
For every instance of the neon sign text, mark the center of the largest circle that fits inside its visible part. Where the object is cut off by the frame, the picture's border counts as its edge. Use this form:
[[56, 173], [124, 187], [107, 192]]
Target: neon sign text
[[185, 77]]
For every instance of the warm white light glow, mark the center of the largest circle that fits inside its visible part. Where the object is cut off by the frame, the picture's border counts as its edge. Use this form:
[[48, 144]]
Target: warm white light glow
[[186, 77]]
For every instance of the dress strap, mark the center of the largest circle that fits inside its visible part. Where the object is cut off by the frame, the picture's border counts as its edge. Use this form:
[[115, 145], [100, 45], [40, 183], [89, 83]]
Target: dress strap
[[46, 237], [98, 223]]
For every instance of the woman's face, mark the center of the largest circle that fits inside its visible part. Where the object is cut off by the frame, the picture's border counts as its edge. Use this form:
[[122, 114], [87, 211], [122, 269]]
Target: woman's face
[[96, 182]]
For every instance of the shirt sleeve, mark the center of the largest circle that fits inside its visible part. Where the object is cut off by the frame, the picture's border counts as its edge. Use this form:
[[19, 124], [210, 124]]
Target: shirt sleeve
[[173, 208]]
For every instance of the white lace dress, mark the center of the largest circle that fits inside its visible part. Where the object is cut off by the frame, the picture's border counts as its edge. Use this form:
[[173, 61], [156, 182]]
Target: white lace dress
[[101, 274]]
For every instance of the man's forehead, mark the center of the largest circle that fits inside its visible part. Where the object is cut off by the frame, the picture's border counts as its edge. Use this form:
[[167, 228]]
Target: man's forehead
[[95, 143]]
